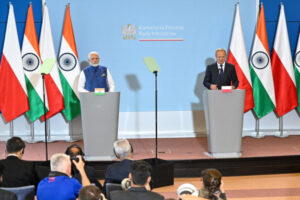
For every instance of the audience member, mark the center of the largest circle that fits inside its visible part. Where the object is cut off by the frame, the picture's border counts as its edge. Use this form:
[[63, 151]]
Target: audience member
[[140, 177], [90, 192], [59, 185], [212, 187], [74, 150], [5, 195], [17, 172], [116, 172]]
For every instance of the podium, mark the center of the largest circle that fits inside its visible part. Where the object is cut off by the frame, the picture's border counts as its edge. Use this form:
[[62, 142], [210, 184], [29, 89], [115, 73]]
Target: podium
[[100, 117], [224, 113]]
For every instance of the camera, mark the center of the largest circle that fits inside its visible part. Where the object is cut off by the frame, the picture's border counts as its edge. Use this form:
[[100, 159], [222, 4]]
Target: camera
[[74, 157]]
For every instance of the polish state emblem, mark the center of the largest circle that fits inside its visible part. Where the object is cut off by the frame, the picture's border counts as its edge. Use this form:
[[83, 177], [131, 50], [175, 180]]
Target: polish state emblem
[[129, 32]]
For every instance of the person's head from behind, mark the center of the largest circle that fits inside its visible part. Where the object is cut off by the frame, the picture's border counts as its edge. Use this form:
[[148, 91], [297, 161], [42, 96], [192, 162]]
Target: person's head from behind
[[94, 59], [122, 149], [211, 179], [73, 151], [90, 192], [140, 174], [61, 163], [15, 145]]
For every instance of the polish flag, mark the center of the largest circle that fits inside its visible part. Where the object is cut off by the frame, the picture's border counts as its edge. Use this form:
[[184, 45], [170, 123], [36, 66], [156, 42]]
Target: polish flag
[[282, 67], [52, 80], [238, 57], [13, 98]]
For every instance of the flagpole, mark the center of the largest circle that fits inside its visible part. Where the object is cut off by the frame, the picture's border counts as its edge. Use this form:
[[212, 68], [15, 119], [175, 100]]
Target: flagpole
[[44, 99], [281, 133], [11, 128]]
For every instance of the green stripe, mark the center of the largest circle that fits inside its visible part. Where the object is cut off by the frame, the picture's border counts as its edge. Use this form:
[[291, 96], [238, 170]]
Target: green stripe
[[35, 102], [262, 101], [297, 78], [72, 103]]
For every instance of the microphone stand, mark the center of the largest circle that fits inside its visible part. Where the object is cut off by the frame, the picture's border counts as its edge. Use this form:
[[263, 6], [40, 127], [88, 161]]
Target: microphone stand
[[155, 73], [45, 119]]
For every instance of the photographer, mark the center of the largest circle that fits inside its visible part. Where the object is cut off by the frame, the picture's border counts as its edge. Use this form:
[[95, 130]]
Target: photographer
[[75, 150], [59, 185]]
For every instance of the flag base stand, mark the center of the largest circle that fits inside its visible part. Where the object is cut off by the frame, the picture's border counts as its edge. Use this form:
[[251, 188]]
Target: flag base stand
[[257, 135], [281, 134]]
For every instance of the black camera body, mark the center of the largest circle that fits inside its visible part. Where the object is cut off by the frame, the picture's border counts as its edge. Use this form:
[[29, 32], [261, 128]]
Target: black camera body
[[74, 157]]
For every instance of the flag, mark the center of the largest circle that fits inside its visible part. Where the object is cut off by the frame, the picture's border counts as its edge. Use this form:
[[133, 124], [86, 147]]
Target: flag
[[282, 67], [261, 71], [52, 80], [31, 64], [69, 69], [297, 71], [13, 98], [237, 55]]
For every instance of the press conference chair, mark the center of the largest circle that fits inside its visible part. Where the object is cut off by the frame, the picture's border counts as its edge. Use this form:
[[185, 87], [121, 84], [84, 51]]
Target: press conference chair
[[23, 193]]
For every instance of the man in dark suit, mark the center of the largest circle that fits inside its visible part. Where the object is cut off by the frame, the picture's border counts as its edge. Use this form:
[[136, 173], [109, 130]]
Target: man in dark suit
[[5, 195], [220, 73], [140, 177], [17, 172], [116, 172]]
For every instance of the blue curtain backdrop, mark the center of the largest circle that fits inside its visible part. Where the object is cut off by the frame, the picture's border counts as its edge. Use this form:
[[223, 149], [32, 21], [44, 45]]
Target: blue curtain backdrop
[[20, 8], [292, 14]]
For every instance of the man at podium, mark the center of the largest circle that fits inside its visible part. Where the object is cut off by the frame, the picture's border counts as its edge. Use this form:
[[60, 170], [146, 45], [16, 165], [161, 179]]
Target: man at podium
[[95, 76], [220, 73]]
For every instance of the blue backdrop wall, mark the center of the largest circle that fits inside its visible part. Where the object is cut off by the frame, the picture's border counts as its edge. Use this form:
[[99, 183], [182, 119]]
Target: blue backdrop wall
[[203, 26], [272, 8]]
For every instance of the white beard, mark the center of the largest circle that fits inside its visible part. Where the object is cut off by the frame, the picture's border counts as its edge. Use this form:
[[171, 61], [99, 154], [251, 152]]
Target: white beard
[[94, 65]]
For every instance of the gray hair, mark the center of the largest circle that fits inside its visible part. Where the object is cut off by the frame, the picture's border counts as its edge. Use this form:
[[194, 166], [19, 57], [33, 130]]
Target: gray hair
[[220, 49], [93, 52], [59, 162], [122, 148]]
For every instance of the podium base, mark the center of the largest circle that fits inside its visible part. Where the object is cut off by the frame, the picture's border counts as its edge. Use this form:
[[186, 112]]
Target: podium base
[[223, 155], [99, 158], [162, 172]]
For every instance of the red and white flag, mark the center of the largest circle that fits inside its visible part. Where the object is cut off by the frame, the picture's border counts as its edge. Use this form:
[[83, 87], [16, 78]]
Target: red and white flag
[[13, 98], [237, 56], [53, 86], [282, 67]]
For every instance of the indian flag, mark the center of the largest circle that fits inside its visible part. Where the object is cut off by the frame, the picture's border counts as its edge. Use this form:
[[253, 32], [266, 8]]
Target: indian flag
[[297, 70], [238, 57], [31, 65], [282, 67], [13, 98], [69, 69], [260, 70]]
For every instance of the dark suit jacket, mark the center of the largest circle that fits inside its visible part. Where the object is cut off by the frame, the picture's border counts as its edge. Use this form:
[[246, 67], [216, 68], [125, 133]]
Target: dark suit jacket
[[90, 173], [18, 172], [136, 193], [7, 195], [116, 172], [212, 76]]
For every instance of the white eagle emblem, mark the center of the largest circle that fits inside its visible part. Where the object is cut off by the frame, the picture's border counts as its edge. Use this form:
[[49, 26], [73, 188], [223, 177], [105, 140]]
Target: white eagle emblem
[[129, 31]]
